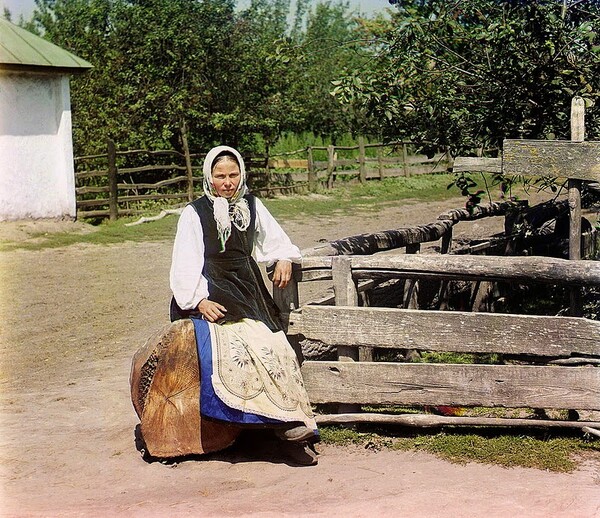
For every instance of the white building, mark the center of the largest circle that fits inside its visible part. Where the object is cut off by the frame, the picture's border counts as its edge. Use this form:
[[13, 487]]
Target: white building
[[36, 147]]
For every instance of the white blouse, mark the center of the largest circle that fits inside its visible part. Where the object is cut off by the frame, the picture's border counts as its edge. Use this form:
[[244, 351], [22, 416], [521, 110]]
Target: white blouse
[[189, 286]]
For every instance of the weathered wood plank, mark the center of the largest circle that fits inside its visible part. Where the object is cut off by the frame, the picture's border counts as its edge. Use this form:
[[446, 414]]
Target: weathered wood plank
[[577, 135], [519, 269], [346, 294], [513, 386], [475, 163], [448, 331], [557, 158]]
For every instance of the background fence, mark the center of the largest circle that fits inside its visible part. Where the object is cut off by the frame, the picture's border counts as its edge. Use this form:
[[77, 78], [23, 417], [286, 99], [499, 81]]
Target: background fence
[[123, 183]]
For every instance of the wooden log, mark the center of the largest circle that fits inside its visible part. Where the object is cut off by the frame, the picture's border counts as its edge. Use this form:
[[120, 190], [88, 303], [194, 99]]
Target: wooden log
[[590, 430], [366, 244], [454, 331], [437, 421], [165, 391], [480, 211], [511, 386]]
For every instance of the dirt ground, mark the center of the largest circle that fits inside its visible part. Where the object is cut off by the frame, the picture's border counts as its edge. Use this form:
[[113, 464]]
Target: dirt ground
[[71, 320]]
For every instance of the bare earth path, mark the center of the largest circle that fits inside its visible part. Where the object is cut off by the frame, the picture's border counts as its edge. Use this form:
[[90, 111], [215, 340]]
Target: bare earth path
[[71, 320]]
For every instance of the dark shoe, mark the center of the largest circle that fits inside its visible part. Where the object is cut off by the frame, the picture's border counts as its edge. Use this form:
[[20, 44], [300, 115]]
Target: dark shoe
[[299, 453], [296, 434]]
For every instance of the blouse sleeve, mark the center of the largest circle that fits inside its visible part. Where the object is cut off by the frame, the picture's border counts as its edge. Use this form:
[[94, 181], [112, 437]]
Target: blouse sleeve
[[272, 244], [188, 284]]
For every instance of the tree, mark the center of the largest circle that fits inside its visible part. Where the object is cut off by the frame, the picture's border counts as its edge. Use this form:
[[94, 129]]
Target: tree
[[329, 45], [157, 63], [256, 100]]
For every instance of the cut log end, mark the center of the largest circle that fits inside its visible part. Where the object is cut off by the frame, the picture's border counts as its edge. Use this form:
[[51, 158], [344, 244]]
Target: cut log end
[[165, 392]]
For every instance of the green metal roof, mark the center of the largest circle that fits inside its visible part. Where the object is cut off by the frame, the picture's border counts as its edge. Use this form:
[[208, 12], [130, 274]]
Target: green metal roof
[[20, 49]]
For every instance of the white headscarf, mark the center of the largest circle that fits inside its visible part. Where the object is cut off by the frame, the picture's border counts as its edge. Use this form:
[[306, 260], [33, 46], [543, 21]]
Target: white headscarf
[[226, 211]]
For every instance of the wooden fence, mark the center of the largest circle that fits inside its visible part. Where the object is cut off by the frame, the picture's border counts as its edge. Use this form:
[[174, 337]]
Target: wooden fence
[[549, 362], [121, 182], [391, 159], [552, 360], [118, 182]]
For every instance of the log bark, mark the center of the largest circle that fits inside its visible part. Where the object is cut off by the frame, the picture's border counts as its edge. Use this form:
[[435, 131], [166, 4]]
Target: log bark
[[165, 391]]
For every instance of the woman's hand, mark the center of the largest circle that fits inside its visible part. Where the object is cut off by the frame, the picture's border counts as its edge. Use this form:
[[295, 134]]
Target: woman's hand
[[282, 273], [211, 311]]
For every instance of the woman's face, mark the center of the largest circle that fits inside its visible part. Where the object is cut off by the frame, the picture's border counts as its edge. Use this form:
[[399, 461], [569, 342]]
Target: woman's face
[[226, 177]]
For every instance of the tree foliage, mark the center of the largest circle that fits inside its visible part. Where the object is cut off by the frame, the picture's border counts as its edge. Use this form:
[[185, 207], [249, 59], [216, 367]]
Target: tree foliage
[[463, 74], [161, 63], [466, 74]]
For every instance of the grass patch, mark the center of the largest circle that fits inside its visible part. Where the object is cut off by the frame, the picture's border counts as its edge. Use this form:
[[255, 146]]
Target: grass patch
[[369, 197], [558, 454]]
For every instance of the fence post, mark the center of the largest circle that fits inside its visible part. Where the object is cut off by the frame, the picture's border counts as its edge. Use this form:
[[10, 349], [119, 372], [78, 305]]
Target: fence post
[[577, 135], [346, 294], [361, 160], [411, 287], [330, 165], [312, 177], [380, 162], [188, 162], [113, 201], [405, 160]]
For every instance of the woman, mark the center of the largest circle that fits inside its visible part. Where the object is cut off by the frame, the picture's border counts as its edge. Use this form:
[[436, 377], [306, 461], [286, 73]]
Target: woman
[[249, 372]]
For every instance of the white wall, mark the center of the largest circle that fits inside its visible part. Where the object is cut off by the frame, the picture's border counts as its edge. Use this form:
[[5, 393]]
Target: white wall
[[36, 148]]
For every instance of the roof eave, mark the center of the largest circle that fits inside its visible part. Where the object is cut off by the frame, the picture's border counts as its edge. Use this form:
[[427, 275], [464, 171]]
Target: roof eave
[[18, 67]]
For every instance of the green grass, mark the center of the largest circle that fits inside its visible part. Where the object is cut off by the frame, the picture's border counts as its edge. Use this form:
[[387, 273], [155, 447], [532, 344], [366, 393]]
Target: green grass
[[346, 199], [370, 197], [558, 454]]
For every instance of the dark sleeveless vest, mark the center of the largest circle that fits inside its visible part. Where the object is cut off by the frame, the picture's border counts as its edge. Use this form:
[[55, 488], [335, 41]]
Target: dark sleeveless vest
[[234, 278]]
